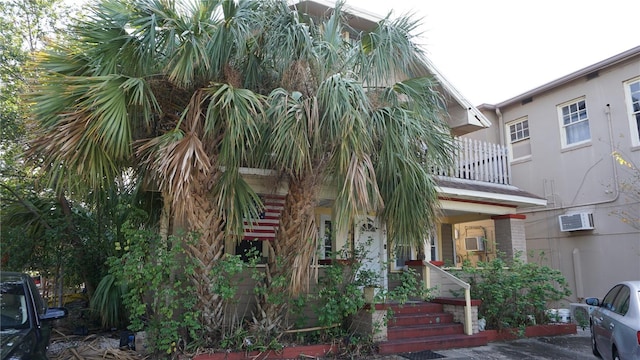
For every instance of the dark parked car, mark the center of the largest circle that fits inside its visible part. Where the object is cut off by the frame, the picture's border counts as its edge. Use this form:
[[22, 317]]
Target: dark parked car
[[615, 322], [25, 320]]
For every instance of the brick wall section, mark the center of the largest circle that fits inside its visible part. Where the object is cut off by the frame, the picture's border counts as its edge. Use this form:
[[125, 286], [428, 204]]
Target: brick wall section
[[371, 322], [510, 235]]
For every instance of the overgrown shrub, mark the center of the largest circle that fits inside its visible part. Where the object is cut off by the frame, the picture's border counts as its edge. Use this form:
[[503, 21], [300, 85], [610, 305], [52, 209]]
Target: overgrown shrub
[[513, 292], [339, 297], [107, 304], [159, 298]]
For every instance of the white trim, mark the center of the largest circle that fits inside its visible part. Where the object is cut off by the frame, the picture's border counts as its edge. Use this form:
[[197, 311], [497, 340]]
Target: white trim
[[633, 125], [321, 236], [511, 142], [449, 192], [563, 127]]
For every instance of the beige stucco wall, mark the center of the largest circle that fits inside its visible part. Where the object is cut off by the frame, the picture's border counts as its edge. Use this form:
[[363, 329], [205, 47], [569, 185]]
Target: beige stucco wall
[[583, 178]]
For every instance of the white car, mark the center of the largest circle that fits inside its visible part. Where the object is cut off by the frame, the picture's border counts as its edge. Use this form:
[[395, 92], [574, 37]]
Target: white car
[[615, 322]]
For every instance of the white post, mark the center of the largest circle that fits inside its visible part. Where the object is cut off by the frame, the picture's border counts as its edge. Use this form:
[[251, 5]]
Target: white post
[[468, 326]]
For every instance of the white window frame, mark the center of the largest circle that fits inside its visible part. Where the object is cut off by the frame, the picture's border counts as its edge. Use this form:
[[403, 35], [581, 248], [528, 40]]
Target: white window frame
[[564, 127], [322, 249], [634, 116], [524, 137], [524, 133]]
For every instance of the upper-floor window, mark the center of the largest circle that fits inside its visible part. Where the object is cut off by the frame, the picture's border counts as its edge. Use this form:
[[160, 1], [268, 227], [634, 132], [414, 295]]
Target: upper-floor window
[[519, 130], [519, 143], [632, 89], [574, 122]]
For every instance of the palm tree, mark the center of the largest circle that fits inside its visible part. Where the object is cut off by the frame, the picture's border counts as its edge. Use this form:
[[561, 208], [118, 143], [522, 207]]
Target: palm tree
[[339, 118], [184, 94], [154, 87]]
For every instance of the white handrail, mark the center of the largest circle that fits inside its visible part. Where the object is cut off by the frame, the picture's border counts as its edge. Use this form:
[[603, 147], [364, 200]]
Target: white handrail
[[426, 276]]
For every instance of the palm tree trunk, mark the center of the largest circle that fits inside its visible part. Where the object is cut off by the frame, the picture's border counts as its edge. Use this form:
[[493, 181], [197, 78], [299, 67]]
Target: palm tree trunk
[[206, 250], [289, 264]]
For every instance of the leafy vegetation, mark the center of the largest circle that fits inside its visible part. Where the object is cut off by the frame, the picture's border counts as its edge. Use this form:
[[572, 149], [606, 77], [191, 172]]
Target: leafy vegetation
[[180, 98], [107, 303], [630, 189], [159, 298], [513, 291]]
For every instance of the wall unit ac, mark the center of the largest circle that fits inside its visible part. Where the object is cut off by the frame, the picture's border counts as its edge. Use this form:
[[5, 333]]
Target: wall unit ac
[[475, 243], [580, 313], [573, 222]]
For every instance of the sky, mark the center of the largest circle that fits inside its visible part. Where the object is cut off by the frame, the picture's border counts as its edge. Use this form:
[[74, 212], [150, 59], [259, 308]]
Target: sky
[[493, 50]]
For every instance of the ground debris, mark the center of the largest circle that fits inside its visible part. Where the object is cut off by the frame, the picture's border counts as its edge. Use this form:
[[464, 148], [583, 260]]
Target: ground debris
[[92, 347]]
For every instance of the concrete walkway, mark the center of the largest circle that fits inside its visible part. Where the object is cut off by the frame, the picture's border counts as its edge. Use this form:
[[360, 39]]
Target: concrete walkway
[[564, 347]]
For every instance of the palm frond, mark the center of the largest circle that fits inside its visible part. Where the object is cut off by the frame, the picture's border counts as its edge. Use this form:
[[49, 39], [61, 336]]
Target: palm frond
[[235, 115], [294, 121], [389, 52]]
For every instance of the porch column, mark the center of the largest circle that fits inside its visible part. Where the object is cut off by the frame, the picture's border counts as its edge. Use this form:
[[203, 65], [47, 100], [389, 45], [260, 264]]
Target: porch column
[[510, 236]]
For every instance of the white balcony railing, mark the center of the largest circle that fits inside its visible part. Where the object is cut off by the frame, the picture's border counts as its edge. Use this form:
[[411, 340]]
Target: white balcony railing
[[480, 161]]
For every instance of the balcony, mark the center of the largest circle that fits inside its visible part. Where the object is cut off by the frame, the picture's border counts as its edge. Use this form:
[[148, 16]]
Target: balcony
[[479, 161]]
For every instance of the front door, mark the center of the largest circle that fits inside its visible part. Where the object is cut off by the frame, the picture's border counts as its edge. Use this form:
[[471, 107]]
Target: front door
[[371, 236]]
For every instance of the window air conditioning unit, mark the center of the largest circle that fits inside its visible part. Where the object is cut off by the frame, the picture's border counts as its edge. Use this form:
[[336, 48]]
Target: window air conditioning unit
[[580, 313], [475, 243], [573, 222]]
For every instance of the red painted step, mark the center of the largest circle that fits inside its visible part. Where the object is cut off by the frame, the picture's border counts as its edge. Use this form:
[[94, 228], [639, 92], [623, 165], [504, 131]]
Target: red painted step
[[425, 326], [420, 319], [420, 331], [431, 343], [416, 308]]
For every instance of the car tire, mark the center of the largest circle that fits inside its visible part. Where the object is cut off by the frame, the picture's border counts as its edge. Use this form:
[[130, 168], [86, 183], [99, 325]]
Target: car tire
[[615, 355], [594, 347]]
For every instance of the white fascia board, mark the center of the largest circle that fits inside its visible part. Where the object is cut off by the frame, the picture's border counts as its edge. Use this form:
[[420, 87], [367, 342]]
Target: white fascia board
[[470, 207], [491, 197]]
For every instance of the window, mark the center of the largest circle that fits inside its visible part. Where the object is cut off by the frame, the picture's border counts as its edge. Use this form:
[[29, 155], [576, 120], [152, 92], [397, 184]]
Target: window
[[607, 302], [574, 122], [621, 303], [519, 130], [248, 250], [325, 246], [632, 90], [263, 228], [403, 253], [519, 143]]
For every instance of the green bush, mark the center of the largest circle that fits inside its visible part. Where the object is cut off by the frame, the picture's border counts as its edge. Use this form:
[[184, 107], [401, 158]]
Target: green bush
[[159, 298], [512, 292], [107, 303]]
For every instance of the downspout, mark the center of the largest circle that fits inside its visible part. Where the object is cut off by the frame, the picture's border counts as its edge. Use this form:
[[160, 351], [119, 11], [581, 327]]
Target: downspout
[[501, 125], [503, 144]]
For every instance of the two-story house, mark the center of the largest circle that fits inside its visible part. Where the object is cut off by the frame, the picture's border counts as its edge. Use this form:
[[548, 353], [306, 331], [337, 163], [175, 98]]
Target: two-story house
[[575, 141], [479, 186]]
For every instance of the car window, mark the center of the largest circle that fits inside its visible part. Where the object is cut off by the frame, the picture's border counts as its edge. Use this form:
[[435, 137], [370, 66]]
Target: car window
[[621, 302], [13, 306], [607, 302]]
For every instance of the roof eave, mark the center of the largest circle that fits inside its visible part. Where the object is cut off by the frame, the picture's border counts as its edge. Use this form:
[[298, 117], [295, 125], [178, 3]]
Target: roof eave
[[568, 78]]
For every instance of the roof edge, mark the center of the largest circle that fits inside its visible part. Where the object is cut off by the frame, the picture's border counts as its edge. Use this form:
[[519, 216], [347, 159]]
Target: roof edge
[[568, 78]]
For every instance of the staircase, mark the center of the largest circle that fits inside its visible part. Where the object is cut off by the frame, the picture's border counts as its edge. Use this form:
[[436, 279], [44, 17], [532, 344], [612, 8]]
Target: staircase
[[422, 326]]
